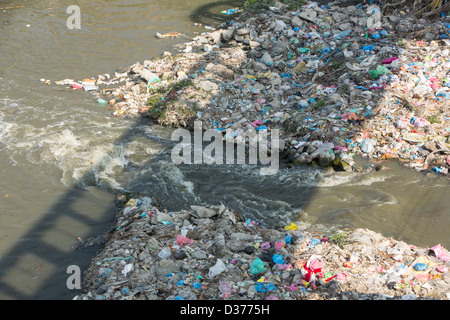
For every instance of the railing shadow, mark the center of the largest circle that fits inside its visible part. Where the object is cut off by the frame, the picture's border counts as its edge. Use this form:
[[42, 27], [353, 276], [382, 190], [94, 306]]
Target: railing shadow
[[36, 246]]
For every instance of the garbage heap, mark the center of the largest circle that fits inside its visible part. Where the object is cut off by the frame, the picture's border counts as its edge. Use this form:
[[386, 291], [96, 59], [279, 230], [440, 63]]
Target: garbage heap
[[213, 253], [337, 79]]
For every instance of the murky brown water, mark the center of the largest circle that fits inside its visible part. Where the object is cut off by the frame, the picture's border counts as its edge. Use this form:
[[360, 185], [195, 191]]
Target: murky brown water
[[62, 154]]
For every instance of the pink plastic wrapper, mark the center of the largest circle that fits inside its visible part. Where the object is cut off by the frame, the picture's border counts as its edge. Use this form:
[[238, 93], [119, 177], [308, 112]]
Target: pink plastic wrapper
[[340, 148], [282, 267], [225, 287], [341, 276], [390, 60], [315, 265], [279, 244], [77, 86], [256, 123], [434, 86], [440, 252], [265, 246], [183, 241], [442, 269]]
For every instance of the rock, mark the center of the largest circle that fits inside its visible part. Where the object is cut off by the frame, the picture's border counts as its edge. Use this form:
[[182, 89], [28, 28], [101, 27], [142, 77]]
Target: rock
[[147, 75], [243, 32], [297, 22], [204, 212], [207, 86], [280, 26], [308, 15], [279, 47], [180, 255], [199, 254], [166, 266], [267, 59], [239, 38], [345, 26], [227, 35]]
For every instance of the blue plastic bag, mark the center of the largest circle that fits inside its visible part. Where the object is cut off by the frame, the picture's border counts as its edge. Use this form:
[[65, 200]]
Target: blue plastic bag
[[278, 259], [368, 48], [264, 287], [257, 266], [197, 285]]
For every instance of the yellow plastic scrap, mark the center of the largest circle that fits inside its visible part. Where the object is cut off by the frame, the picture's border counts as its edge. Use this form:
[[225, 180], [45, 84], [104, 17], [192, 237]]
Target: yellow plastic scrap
[[265, 74], [291, 226], [422, 275], [301, 67], [131, 202]]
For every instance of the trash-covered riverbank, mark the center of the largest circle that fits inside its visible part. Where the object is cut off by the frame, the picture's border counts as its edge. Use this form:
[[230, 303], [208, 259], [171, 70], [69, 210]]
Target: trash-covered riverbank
[[214, 253], [338, 81]]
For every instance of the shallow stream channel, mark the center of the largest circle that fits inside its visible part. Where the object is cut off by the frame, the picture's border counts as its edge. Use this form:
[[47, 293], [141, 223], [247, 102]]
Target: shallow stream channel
[[64, 156]]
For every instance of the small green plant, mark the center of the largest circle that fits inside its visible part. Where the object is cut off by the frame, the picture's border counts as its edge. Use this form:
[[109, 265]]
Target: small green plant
[[318, 104], [339, 238], [182, 84], [154, 99], [255, 5], [158, 112], [434, 119], [345, 88], [293, 4]]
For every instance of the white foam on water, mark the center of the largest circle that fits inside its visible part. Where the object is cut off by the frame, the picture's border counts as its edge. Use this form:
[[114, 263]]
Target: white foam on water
[[170, 174]]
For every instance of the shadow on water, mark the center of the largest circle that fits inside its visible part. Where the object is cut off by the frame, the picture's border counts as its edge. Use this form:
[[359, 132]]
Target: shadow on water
[[34, 243], [34, 249], [210, 13]]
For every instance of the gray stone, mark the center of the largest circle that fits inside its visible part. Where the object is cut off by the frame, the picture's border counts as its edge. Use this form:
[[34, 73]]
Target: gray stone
[[345, 26], [227, 34], [199, 254], [207, 85], [297, 22], [166, 266], [243, 31], [308, 15], [267, 59]]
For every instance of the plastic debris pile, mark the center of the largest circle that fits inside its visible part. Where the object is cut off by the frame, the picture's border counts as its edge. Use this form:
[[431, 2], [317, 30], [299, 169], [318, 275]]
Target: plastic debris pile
[[339, 80], [213, 253]]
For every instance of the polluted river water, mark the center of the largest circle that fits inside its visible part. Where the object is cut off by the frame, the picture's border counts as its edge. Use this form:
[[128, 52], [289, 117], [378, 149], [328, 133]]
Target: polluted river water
[[64, 155]]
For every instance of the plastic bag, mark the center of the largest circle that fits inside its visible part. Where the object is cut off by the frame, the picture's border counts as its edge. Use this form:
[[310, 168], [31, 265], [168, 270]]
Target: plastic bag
[[279, 245], [165, 253], [183, 241], [127, 269], [264, 287], [282, 267], [278, 259], [367, 146], [257, 266], [224, 287], [291, 226], [218, 268], [197, 285], [288, 239], [440, 252], [265, 246]]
